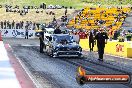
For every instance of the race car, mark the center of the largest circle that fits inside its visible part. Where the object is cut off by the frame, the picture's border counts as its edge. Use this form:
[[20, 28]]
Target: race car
[[62, 45]]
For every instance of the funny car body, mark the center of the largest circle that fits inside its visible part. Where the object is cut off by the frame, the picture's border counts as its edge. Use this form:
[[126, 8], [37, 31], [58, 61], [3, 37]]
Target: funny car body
[[62, 45]]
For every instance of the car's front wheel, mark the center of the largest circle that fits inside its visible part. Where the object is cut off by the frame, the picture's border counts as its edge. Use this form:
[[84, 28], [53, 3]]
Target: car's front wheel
[[79, 56], [55, 54], [51, 54]]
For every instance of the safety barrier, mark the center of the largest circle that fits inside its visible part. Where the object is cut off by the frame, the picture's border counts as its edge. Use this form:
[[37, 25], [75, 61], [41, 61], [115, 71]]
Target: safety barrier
[[123, 49], [17, 33]]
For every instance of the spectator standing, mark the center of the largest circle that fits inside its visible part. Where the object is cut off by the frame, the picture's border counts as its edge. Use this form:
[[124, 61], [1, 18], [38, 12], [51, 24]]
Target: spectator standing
[[37, 24], [81, 34], [30, 25], [21, 24], [110, 35], [43, 6], [26, 33], [41, 38], [25, 9], [54, 20], [65, 11], [26, 30], [17, 25], [50, 25], [91, 41], [5, 24], [13, 25], [1, 24], [8, 23], [34, 26], [115, 35], [101, 38], [75, 37], [94, 33]]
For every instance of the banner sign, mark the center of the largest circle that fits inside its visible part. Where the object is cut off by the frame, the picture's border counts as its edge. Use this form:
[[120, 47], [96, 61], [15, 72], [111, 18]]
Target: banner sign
[[17, 33]]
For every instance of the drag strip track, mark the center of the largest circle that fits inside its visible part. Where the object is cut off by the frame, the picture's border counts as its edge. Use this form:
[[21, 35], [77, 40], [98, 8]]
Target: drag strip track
[[86, 63], [107, 65], [96, 63], [41, 79], [60, 72], [95, 67]]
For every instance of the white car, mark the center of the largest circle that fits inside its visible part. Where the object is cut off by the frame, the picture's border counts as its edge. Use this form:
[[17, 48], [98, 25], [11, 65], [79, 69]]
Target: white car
[[51, 7], [58, 7]]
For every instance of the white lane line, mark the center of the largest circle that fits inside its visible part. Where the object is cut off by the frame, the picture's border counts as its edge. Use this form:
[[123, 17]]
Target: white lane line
[[35, 82]]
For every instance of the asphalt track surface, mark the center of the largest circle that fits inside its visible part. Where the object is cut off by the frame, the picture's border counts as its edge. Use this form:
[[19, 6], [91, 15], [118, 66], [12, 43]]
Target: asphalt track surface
[[47, 72]]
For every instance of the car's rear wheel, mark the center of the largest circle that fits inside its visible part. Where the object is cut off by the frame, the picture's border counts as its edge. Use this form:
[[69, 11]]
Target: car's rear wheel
[[46, 50]]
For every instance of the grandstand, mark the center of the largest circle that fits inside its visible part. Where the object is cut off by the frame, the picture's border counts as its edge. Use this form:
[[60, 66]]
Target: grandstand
[[90, 18]]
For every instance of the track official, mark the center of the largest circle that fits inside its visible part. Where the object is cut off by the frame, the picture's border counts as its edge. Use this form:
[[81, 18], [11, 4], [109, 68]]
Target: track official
[[41, 38], [91, 41], [101, 38]]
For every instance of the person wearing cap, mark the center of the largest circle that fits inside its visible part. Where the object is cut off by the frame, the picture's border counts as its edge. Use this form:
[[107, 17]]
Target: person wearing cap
[[101, 38]]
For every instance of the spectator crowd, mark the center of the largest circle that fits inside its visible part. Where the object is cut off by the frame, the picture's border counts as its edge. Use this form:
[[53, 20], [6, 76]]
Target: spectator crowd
[[18, 25]]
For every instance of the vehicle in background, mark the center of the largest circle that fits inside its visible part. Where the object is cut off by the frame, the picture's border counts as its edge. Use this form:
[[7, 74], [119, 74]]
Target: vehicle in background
[[54, 7], [51, 7]]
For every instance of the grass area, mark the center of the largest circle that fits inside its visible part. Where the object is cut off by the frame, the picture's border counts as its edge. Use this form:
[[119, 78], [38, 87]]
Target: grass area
[[43, 17], [75, 3], [37, 2], [32, 15]]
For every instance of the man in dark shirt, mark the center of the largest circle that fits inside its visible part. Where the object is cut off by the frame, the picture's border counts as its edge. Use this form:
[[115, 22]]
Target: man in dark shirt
[[21, 24], [54, 20], [57, 31], [13, 24], [37, 24], [66, 11], [1, 24], [26, 34], [8, 23], [41, 38], [5, 23], [101, 38], [91, 41]]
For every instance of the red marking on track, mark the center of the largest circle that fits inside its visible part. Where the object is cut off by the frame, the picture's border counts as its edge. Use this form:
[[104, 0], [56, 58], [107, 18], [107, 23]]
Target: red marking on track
[[21, 74], [0, 37]]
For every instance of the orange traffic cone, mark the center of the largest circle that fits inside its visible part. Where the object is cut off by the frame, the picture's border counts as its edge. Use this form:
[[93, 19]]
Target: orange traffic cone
[[0, 37]]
